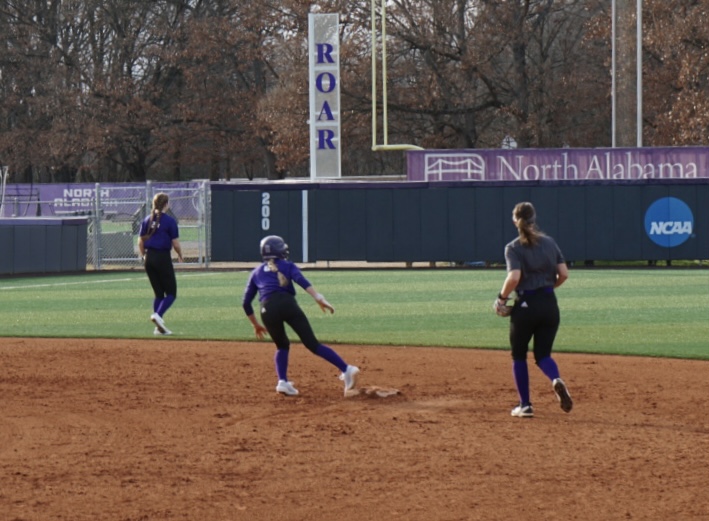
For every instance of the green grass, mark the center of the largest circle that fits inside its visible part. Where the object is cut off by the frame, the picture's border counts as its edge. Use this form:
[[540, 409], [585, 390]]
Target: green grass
[[650, 312], [189, 231]]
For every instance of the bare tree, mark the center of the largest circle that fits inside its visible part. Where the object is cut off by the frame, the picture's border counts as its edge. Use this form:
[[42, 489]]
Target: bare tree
[[491, 68], [462, 74], [136, 88], [129, 90], [676, 73]]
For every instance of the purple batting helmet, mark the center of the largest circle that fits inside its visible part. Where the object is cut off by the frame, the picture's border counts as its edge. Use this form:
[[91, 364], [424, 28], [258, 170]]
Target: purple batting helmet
[[274, 247]]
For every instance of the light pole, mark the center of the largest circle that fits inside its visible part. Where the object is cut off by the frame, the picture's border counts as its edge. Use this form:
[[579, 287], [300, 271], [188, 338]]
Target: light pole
[[639, 67], [625, 71], [614, 90]]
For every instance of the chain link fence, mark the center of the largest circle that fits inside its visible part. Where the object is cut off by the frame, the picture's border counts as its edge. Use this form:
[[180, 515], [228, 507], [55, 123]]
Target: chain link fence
[[115, 223], [115, 212]]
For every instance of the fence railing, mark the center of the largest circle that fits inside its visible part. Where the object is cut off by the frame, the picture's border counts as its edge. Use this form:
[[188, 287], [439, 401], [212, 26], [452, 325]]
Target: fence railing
[[113, 234], [115, 212]]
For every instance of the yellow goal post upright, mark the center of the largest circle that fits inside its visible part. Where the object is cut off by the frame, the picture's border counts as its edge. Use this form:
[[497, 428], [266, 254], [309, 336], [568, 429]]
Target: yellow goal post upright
[[385, 146]]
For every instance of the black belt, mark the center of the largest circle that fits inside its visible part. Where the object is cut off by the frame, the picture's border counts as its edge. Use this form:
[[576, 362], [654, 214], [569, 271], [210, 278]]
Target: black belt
[[538, 291]]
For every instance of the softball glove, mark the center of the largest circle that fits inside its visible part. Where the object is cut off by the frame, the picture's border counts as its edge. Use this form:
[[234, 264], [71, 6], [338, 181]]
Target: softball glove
[[501, 308]]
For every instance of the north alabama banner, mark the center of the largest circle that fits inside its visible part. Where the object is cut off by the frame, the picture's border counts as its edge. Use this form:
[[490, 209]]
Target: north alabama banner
[[562, 164], [120, 200]]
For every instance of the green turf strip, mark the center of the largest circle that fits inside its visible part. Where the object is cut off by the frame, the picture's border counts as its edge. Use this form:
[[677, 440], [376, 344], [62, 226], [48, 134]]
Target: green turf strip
[[653, 312]]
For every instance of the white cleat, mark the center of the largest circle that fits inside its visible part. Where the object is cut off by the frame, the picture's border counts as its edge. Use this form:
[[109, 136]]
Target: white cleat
[[159, 323], [286, 388], [350, 377], [523, 411], [562, 393]]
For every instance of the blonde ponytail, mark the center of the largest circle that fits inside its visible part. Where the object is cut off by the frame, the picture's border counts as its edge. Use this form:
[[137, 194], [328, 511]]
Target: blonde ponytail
[[160, 201], [282, 280]]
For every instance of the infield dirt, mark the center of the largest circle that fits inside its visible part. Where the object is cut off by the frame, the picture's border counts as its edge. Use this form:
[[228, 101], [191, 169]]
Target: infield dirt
[[164, 429]]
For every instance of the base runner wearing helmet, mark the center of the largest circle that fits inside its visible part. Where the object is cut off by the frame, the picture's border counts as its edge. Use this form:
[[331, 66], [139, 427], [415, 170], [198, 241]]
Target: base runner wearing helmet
[[273, 281]]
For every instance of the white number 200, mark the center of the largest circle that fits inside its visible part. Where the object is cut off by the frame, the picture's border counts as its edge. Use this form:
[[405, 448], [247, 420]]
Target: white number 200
[[265, 211]]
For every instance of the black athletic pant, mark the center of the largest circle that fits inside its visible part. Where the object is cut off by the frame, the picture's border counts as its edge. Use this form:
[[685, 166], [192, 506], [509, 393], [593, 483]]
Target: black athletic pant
[[161, 272], [281, 309], [534, 316]]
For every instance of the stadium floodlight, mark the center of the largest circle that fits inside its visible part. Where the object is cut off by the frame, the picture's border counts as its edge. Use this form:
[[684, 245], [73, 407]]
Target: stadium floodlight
[[385, 146]]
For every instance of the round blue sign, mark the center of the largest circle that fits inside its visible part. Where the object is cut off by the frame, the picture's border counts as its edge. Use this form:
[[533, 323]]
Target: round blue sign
[[669, 222]]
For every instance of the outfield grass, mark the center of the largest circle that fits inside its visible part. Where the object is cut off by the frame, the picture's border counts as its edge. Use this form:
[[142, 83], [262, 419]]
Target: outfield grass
[[189, 231], [651, 312]]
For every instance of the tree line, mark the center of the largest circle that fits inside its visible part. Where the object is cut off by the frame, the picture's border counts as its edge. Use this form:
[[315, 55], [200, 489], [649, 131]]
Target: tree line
[[131, 90]]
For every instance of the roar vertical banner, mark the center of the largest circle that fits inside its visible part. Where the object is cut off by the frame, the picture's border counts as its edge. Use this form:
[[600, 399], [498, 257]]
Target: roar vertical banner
[[324, 48]]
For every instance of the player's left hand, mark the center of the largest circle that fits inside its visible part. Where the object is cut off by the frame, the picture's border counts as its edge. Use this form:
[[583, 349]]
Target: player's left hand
[[324, 304]]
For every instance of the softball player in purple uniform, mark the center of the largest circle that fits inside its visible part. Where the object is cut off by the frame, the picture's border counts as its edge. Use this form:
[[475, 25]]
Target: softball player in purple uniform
[[273, 282], [535, 266], [158, 236]]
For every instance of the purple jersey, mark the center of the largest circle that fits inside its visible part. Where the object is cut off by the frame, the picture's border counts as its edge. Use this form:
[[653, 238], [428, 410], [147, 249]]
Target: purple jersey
[[163, 236], [265, 282]]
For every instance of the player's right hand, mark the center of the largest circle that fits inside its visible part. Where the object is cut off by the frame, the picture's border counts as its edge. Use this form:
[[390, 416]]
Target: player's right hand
[[260, 331]]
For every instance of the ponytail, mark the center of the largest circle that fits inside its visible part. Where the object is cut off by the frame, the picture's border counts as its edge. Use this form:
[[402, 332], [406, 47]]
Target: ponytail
[[282, 279], [159, 203], [526, 222]]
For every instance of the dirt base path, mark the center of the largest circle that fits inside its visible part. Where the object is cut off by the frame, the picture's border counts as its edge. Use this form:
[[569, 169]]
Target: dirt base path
[[175, 430]]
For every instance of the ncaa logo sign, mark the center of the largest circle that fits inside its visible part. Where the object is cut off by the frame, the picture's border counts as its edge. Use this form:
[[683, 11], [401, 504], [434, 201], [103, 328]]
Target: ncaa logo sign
[[669, 222]]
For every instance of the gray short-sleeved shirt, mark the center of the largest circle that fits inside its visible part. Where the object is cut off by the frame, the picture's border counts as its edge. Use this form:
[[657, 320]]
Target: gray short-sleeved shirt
[[537, 263]]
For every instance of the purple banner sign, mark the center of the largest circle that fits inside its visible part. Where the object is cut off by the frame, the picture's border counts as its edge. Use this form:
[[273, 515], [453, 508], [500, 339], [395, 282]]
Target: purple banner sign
[[559, 164], [120, 200]]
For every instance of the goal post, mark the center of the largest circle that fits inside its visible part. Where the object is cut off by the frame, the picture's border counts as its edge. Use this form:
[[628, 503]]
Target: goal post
[[384, 146]]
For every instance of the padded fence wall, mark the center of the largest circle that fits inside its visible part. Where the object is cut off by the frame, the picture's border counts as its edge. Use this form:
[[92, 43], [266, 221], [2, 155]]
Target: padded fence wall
[[460, 221], [42, 245]]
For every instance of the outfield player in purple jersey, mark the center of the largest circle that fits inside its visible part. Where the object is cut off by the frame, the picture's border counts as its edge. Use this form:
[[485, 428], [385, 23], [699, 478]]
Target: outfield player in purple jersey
[[159, 235], [273, 281], [535, 266]]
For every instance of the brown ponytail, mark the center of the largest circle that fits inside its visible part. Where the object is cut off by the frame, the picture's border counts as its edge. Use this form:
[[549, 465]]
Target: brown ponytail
[[525, 219]]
